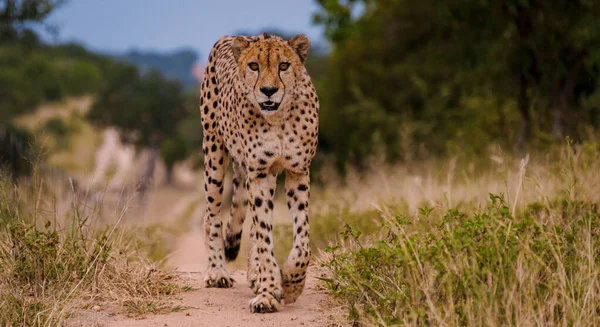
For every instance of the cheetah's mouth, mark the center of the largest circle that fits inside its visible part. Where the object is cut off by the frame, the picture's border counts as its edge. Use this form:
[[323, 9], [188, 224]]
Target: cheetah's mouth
[[269, 106]]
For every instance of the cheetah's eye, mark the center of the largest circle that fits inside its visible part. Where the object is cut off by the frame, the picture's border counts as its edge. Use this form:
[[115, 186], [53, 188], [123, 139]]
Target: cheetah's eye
[[253, 66], [284, 66]]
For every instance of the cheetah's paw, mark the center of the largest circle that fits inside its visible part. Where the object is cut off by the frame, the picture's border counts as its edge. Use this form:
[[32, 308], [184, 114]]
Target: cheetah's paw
[[263, 303], [293, 285], [218, 278]]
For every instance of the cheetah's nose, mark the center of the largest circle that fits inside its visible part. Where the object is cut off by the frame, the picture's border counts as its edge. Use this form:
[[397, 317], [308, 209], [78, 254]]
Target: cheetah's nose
[[268, 90]]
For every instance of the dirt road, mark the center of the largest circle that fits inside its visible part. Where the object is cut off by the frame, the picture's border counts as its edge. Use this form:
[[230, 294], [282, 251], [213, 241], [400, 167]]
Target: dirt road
[[216, 307], [213, 307], [227, 307]]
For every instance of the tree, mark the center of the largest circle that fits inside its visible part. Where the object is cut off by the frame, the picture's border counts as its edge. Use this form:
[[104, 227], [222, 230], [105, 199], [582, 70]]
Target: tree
[[399, 74], [569, 56], [18, 93], [15, 152], [550, 59], [16, 14], [145, 108], [462, 73]]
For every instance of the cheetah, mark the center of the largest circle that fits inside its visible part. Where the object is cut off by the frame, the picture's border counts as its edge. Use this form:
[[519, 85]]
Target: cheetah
[[259, 109]]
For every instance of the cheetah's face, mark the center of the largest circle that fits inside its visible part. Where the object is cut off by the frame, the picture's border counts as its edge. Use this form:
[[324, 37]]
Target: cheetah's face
[[269, 69]]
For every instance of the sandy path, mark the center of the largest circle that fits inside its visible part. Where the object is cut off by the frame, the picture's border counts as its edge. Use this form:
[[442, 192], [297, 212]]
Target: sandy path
[[217, 307], [225, 307], [213, 307]]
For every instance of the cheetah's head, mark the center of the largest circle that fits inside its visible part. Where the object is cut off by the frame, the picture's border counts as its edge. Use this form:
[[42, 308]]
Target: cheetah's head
[[270, 69]]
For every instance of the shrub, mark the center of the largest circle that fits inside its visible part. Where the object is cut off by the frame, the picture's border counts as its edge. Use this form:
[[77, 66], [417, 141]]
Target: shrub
[[484, 268], [53, 263]]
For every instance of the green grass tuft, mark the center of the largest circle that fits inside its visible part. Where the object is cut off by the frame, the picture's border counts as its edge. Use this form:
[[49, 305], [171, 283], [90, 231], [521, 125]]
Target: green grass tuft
[[53, 263]]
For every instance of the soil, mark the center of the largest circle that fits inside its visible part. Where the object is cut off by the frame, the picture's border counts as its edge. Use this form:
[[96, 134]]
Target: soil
[[212, 306]]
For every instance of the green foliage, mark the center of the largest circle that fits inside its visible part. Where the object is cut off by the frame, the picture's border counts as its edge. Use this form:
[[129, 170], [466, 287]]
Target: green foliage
[[16, 153], [146, 108], [42, 255], [476, 269], [39, 258], [31, 75], [51, 265], [17, 92], [16, 13], [187, 139], [336, 224], [173, 150], [411, 79], [40, 70], [342, 221], [82, 76], [401, 86]]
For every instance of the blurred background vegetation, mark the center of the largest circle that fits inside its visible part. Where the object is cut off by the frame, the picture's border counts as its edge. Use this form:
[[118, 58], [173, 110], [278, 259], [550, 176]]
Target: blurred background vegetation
[[401, 79], [424, 104]]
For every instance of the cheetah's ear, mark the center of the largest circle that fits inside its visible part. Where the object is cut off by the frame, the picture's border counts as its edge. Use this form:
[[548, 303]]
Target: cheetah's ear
[[301, 45], [239, 44]]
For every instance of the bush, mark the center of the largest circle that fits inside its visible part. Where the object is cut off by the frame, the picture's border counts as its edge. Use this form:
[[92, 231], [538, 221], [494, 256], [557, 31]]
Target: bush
[[44, 73], [476, 269], [52, 264], [81, 76], [17, 92]]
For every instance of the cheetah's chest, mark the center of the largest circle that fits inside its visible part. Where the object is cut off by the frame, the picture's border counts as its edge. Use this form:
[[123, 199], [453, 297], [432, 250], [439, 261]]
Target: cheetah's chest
[[274, 148]]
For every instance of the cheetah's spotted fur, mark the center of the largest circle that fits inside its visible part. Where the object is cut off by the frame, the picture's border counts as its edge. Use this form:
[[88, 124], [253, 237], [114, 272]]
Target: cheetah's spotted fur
[[259, 108]]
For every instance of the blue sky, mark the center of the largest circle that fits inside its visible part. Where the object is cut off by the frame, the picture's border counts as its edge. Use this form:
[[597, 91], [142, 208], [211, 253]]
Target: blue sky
[[165, 25]]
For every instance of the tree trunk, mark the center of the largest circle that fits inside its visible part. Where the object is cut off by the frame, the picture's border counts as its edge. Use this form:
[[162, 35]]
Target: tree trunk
[[569, 97], [169, 175], [559, 107], [523, 105], [527, 67]]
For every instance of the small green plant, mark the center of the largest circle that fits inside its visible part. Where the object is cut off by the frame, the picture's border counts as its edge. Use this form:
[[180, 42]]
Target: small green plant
[[484, 268], [52, 264]]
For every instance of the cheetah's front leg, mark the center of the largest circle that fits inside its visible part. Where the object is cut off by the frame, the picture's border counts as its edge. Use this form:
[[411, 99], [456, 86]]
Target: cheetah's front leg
[[215, 164], [294, 270], [261, 187]]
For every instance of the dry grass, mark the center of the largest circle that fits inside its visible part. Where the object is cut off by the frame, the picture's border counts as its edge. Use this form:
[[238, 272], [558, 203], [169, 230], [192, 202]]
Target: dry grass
[[504, 242], [568, 171], [55, 261]]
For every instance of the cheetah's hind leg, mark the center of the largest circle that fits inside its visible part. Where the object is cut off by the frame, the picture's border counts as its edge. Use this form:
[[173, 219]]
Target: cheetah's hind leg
[[239, 206]]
